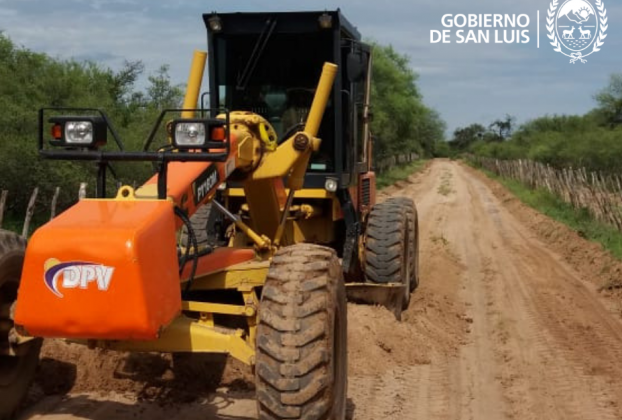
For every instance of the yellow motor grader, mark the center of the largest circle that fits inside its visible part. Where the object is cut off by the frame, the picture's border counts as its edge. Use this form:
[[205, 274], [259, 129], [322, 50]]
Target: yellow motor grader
[[254, 227]]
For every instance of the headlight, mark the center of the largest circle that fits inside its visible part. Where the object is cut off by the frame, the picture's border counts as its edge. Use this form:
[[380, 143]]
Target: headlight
[[78, 131], [190, 134], [326, 21], [215, 24], [198, 133], [331, 184]]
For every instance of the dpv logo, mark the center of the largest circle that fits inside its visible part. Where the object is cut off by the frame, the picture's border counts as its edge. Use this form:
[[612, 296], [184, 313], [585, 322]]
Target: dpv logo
[[75, 274]]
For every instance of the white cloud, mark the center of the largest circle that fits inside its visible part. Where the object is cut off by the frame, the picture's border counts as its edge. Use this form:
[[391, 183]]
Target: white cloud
[[7, 12]]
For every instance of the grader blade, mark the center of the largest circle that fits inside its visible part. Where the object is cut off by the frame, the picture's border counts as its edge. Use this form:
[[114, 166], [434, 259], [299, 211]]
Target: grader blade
[[390, 296]]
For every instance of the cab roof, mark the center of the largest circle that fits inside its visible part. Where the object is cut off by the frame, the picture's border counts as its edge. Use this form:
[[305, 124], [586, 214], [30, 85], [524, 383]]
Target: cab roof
[[293, 22]]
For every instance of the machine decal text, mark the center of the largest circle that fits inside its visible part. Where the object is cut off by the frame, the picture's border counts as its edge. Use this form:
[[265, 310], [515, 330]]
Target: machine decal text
[[76, 274], [205, 183]]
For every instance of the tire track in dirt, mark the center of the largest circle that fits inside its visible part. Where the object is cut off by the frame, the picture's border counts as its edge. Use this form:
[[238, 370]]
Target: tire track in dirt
[[542, 359], [436, 319], [542, 344], [551, 305]]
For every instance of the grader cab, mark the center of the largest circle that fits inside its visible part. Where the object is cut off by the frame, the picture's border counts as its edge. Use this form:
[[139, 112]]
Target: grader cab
[[260, 216]]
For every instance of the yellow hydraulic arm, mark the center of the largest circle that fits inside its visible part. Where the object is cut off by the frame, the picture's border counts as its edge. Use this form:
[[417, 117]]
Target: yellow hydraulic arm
[[194, 83], [290, 160]]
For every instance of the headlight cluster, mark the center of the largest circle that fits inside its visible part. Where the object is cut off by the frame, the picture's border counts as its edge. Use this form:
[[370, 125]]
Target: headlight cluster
[[78, 131], [91, 132]]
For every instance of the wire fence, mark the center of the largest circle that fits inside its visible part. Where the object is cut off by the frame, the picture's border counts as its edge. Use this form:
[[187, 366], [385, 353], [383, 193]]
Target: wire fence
[[599, 193]]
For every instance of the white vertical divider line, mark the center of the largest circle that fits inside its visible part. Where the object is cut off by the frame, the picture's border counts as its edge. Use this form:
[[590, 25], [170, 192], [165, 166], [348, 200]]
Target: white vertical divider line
[[538, 29]]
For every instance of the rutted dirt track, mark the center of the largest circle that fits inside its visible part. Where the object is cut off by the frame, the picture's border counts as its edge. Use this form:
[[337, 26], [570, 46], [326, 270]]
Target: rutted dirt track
[[508, 323]]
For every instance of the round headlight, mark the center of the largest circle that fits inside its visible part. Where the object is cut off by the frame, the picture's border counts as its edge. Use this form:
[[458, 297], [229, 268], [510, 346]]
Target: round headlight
[[331, 185]]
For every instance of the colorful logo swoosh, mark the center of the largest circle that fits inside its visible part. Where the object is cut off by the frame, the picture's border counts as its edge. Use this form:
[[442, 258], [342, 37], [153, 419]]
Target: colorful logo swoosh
[[54, 270]]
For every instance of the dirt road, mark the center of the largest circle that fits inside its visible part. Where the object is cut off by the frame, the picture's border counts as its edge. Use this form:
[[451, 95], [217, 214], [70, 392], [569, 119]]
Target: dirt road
[[507, 324]]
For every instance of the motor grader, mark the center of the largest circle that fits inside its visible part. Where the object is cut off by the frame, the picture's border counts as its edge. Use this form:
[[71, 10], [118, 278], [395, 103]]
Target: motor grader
[[255, 225]]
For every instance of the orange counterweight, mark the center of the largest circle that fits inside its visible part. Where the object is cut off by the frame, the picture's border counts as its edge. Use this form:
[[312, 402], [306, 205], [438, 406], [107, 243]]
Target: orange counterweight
[[102, 269]]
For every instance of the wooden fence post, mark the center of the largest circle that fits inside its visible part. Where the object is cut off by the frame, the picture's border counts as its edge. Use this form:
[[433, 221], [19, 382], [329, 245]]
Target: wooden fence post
[[30, 211], [600, 194], [54, 200], [2, 203], [82, 191]]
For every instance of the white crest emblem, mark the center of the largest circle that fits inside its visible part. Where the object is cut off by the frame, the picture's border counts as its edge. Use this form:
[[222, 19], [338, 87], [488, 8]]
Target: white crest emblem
[[577, 26]]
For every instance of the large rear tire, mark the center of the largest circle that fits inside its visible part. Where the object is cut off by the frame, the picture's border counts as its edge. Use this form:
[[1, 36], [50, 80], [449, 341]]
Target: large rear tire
[[301, 360], [206, 223], [16, 372], [413, 218], [388, 258]]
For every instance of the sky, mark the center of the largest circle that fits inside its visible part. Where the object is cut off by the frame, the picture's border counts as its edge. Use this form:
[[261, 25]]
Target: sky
[[465, 83]]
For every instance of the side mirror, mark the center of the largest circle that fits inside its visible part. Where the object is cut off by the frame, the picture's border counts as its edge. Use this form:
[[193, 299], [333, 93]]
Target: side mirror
[[356, 67]]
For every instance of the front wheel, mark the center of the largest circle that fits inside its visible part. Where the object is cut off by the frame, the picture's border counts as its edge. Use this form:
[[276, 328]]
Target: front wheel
[[301, 359], [16, 372]]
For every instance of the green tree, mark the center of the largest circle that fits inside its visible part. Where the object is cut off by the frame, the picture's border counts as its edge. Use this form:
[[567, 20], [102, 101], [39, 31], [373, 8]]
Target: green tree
[[502, 128], [466, 136], [610, 100], [161, 93], [33, 80], [402, 123]]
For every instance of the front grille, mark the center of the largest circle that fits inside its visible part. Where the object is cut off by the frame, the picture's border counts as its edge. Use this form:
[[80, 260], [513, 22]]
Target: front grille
[[366, 191]]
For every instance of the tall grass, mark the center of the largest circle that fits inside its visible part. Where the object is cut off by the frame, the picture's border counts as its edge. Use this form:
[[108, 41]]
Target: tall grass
[[399, 173]]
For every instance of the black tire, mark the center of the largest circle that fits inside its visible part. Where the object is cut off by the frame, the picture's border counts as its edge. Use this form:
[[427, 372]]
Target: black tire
[[387, 246], [301, 359], [413, 217], [16, 372], [205, 226]]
